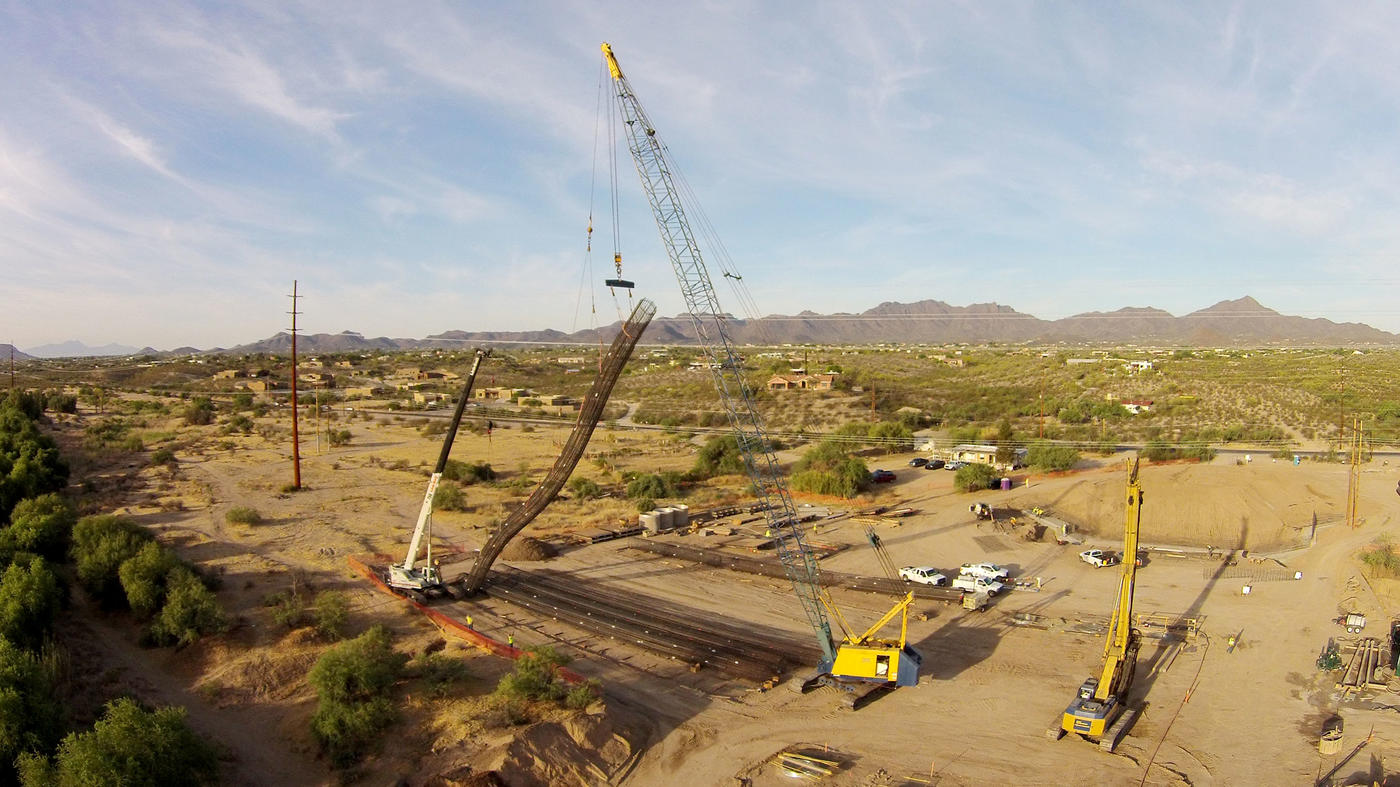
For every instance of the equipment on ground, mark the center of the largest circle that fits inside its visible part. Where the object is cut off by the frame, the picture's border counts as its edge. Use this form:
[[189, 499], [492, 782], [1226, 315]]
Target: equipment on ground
[[421, 582], [1101, 712], [982, 511], [860, 660]]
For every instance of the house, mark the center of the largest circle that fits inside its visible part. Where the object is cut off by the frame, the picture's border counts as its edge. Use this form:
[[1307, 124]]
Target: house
[[956, 363], [571, 360], [500, 394], [262, 385], [230, 374], [794, 382], [1136, 406], [409, 372], [428, 397], [365, 391], [436, 374], [1139, 366], [345, 364], [324, 379]]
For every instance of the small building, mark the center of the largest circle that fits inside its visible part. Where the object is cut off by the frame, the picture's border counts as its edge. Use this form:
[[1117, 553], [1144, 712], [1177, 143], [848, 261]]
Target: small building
[[428, 397], [365, 391], [321, 379], [258, 386], [230, 374], [345, 364], [500, 394], [796, 382], [986, 455], [1136, 406], [956, 363], [571, 360], [437, 374], [1139, 366]]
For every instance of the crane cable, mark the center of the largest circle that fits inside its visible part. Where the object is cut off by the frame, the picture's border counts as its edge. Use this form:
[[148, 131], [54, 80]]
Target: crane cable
[[614, 200], [586, 274]]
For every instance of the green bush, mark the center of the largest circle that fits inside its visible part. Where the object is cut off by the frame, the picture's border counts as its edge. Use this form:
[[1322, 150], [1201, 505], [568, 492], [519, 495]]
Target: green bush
[[352, 682], [288, 608], [191, 610], [449, 497], [535, 676], [339, 437], [332, 612], [975, 477], [1382, 560], [163, 456], [100, 545], [243, 515], [30, 597], [584, 488], [129, 745], [719, 456], [143, 578], [829, 469], [1049, 456], [583, 695], [29, 462], [132, 444], [468, 473], [41, 525], [652, 485], [31, 716], [242, 401], [200, 412]]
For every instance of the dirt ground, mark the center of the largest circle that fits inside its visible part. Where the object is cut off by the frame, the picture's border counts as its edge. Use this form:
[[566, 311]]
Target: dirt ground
[[988, 690]]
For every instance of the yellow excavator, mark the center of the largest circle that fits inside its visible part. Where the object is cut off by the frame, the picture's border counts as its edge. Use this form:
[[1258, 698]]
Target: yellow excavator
[[1101, 712]]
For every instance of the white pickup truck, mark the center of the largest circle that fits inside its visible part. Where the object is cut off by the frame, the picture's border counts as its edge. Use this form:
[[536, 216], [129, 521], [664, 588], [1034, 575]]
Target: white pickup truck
[[974, 584], [924, 575], [1098, 558]]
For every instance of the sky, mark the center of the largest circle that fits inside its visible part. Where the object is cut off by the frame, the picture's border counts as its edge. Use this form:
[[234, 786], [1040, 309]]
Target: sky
[[168, 169]]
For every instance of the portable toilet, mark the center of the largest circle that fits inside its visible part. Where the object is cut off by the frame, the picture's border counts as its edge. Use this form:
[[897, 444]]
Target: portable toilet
[[1005, 484]]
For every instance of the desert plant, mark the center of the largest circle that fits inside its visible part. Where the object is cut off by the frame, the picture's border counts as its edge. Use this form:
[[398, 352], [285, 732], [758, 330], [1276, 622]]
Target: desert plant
[[243, 515], [352, 682], [584, 488], [41, 525], [449, 497], [143, 578], [535, 676], [190, 611], [100, 545], [163, 456], [331, 611], [975, 477], [30, 597], [31, 715], [128, 745]]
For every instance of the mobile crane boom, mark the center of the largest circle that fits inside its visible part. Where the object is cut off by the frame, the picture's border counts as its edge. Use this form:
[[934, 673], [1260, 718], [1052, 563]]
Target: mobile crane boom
[[857, 660], [427, 579], [1097, 712]]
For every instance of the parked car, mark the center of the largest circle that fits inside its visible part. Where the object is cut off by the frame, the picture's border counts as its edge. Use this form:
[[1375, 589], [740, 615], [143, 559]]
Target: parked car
[[924, 575], [881, 476], [978, 585], [918, 461], [987, 570], [934, 464], [955, 465], [1098, 558]]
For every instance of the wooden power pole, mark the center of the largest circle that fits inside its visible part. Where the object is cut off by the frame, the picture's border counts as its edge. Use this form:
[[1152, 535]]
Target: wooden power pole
[[296, 439]]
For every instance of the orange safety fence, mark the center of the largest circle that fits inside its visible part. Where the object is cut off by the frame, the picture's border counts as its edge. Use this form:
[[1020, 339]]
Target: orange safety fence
[[453, 626]]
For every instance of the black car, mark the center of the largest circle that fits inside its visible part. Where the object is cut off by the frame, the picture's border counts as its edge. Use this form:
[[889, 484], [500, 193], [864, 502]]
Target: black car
[[934, 464], [918, 461]]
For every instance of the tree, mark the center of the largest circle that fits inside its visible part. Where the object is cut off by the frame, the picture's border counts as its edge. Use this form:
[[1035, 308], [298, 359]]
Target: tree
[[1052, 456], [41, 525], [584, 488], [892, 436], [719, 456], [352, 682], [190, 611], [200, 411], [143, 578], [332, 612], [974, 477], [100, 545], [31, 717], [829, 469], [30, 597], [131, 745], [29, 462]]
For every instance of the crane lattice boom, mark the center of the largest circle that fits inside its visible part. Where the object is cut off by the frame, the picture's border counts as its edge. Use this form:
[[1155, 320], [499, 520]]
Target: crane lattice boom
[[655, 169]]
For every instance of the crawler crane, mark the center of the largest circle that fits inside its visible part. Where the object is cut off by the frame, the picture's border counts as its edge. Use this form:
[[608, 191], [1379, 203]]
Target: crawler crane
[[420, 582], [1100, 712], [860, 664]]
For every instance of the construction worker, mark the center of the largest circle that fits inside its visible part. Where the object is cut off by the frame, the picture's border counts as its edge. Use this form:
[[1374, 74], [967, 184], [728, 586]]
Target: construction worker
[[469, 621], [510, 640]]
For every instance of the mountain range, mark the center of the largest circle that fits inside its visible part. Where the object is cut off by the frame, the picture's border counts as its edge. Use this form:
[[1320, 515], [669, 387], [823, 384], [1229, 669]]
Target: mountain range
[[1242, 322]]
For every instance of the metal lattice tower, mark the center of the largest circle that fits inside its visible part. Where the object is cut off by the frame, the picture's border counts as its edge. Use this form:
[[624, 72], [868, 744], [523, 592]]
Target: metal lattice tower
[[655, 170]]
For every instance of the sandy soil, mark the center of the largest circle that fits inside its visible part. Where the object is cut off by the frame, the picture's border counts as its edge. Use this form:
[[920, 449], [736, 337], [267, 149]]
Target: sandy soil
[[989, 687]]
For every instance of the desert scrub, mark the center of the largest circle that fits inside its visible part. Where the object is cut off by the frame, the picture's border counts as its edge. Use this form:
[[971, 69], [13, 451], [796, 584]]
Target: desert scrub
[[243, 515], [1381, 559], [353, 681]]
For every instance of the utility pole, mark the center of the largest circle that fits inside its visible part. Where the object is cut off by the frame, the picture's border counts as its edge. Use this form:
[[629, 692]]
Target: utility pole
[[296, 440], [1354, 476]]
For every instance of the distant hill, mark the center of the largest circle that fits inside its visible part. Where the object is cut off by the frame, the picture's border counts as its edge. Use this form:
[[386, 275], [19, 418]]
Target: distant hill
[[1242, 322], [76, 349], [6, 349]]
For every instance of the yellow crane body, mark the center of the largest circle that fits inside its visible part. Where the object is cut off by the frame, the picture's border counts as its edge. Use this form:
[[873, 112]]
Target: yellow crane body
[[1101, 700]]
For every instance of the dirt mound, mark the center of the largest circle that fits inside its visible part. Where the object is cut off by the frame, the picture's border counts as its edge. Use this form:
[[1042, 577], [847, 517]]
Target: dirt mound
[[528, 548], [1230, 507], [584, 749]]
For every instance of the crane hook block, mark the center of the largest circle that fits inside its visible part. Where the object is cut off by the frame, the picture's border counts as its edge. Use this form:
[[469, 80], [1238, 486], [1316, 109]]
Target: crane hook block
[[623, 283]]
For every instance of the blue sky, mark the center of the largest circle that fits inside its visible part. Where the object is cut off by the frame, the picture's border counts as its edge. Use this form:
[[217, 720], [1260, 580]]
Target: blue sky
[[167, 169]]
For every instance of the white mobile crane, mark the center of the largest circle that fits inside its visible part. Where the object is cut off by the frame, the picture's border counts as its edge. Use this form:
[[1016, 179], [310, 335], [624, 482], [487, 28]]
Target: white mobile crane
[[1101, 712], [420, 582], [860, 660]]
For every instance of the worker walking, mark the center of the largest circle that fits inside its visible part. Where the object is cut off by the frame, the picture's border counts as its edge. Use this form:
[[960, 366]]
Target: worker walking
[[510, 640]]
